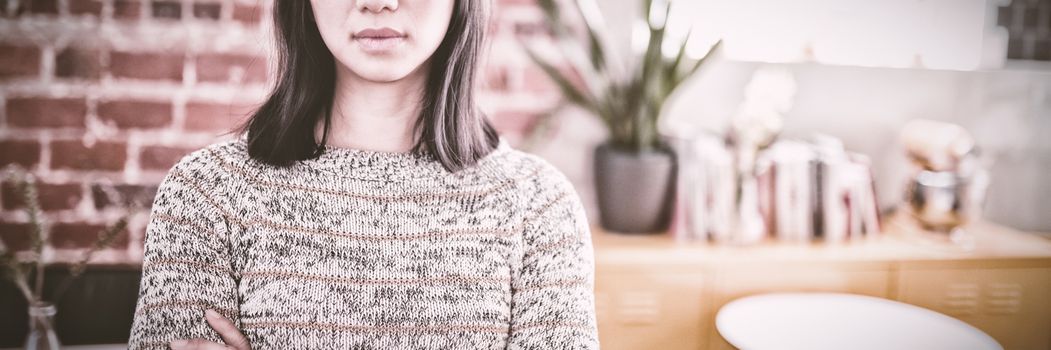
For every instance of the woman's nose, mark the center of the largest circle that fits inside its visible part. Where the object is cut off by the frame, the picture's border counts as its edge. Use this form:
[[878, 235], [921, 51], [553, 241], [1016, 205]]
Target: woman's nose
[[377, 5]]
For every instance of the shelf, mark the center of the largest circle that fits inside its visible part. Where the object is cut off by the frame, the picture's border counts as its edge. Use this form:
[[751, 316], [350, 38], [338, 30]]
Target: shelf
[[900, 243]]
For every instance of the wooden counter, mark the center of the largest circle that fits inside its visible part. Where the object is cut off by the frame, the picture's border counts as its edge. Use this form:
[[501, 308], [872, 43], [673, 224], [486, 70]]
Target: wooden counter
[[653, 292]]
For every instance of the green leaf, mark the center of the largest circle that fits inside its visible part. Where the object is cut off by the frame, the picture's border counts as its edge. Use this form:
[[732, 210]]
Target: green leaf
[[630, 105], [568, 89], [700, 62], [596, 51], [552, 17], [541, 126], [671, 73]]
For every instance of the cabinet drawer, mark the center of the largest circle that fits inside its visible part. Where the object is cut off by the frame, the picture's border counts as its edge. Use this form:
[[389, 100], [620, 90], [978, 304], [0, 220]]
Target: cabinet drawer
[[650, 309], [1012, 305]]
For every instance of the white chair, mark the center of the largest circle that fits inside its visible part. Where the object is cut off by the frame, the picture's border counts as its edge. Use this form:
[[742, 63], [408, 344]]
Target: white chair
[[818, 321]]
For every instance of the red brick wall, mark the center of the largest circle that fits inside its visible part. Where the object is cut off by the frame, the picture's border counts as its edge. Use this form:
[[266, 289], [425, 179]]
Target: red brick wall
[[96, 92]]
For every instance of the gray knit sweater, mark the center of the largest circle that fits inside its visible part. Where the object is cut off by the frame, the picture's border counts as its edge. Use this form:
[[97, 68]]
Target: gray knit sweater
[[368, 250]]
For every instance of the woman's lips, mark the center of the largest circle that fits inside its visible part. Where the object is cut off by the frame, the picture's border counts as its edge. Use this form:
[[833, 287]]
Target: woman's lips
[[379, 45], [378, 40]]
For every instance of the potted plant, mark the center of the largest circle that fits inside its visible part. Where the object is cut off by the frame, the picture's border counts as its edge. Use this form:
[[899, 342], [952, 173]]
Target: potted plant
[[26, 270], [635, 168]]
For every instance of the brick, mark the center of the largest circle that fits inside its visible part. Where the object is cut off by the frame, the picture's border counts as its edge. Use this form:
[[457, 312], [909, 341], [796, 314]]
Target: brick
[[52, 196], [493, 27], [49, 7], [533, 79], [214, 116], [85, 7], [231, 68], [23, 153], [531, 29], [136, 114], [16, 235], [78, 235], [161, 157], [126, 9], [207, 10], [246, 14], [165, 9], [147, 66], [126, 195], [19, 61], [78, 63], [514, 122], [45, 112], [103, 155], [495, 78]]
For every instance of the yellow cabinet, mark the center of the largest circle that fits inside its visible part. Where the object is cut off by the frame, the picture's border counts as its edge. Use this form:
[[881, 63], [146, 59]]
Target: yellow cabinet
[[653, 292], [650, 309], [1013, 305]]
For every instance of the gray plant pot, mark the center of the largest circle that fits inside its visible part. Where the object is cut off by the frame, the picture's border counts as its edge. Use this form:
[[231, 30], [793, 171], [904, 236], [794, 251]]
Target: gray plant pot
[[635, 190]]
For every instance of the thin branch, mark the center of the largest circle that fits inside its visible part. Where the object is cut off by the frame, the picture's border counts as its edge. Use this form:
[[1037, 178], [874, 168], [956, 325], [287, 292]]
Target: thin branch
[[14, 271], [31, 200], [103, 240]]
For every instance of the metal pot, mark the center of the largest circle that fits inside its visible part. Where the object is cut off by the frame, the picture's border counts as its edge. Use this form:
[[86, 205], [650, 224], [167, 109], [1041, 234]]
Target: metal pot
[[944, 200]]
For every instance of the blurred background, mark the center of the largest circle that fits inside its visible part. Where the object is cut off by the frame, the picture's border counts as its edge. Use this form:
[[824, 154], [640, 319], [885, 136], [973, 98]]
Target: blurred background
[[793, 133]]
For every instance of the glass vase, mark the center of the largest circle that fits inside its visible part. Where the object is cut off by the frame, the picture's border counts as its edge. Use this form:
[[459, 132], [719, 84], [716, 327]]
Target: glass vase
[[747, 223], [41, 327]]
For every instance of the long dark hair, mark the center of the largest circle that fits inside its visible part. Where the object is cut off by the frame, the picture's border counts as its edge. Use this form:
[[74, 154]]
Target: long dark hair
[[450, 127]]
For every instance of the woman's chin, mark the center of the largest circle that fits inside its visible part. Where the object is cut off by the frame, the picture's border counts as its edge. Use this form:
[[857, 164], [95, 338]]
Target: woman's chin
[[380, 70], [380, 74]]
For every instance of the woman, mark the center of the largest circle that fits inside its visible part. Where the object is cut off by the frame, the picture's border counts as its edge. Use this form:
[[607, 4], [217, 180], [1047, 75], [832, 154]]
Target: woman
[[368, 204]]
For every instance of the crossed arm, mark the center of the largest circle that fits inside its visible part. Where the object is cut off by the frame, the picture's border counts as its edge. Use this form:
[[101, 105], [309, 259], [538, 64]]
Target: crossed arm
[[187, 275], [227, 330]]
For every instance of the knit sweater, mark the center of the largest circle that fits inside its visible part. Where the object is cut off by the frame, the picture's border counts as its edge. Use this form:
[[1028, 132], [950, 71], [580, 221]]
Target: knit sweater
[[368, 250]]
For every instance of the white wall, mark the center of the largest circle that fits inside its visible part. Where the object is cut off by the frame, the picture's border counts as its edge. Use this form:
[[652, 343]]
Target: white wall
[[1008, 110]]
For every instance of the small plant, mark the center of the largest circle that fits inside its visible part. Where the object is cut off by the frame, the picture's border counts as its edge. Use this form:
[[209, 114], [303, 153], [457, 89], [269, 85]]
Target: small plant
[[28, 274], [627, 99]]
